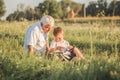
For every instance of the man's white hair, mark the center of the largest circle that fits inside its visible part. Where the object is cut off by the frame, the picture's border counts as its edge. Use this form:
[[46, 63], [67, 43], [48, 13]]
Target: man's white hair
[[47, 20]]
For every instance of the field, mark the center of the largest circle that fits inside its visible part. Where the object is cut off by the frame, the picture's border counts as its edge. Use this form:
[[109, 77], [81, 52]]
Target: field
[[99, 42]]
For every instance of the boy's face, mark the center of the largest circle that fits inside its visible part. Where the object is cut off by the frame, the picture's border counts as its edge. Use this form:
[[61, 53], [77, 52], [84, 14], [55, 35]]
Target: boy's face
[[59, 37]]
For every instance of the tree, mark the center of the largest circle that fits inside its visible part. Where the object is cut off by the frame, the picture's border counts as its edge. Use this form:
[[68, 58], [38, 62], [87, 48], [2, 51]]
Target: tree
[[54, 9], [92, 8], [20, 16], [2, 8], [102, 7], [70, 8], [114, 8], [118, 8], [29, 13], [17, 15], [49, 7], [10, 17], [37, 13], [65, 6], [76, 7], [98, 8]]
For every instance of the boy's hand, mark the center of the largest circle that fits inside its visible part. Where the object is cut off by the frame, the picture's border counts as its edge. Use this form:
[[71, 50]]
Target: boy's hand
[[70, 47], [59, 48]]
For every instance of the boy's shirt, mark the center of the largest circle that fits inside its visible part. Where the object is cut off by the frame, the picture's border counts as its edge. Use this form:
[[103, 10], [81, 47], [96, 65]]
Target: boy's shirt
[[64, 44]]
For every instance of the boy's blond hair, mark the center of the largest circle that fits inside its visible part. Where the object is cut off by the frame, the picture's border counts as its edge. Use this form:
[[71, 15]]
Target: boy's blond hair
[[57, 30]]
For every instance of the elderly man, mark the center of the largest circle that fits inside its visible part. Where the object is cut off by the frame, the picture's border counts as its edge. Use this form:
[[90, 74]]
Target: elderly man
[[36, 38]]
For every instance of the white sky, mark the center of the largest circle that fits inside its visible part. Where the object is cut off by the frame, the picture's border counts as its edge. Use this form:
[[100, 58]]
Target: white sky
[[11, 5]]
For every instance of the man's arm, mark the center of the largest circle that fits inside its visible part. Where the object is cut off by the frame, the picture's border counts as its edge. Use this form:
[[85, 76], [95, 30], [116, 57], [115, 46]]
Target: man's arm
[[30, 49]]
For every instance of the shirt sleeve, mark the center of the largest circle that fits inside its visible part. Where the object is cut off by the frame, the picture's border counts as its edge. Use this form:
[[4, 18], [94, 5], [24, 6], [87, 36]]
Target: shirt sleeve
[[52, 45], [31, 38], [67, 43]]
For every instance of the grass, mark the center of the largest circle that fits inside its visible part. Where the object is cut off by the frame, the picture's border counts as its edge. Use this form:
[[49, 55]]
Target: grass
[[99, 43]]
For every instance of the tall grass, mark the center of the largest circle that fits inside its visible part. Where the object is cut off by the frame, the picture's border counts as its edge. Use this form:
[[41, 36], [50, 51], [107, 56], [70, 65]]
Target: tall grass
[[99, 44]]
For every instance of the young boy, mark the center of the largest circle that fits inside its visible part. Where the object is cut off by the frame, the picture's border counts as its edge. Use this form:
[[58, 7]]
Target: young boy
[[61, 45]]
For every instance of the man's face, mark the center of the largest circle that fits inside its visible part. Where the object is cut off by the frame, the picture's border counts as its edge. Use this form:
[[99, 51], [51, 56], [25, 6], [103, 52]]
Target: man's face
[[59, 37], [46, 28]]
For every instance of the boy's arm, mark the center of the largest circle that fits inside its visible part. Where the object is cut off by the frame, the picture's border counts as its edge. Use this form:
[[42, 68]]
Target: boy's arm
[[70, 47], [56, 48]]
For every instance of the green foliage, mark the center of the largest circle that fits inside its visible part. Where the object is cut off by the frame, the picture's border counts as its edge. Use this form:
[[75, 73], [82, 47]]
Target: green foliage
[[56, 9], [114, 8], [77, 7], [17, 15], [98, 8], [63, 9], [65, 4], [102, 8], [17, 67], [2, 8], [102, 64], [10, 17], [50, 7]]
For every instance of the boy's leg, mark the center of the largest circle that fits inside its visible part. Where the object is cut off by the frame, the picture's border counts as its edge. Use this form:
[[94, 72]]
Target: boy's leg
[[78, 53]]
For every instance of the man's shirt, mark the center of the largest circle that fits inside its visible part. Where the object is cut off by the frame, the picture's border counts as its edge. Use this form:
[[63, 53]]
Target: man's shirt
[[35, 37]]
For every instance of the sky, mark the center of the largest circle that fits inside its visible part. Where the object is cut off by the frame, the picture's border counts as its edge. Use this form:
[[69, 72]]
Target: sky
[[11, 5]]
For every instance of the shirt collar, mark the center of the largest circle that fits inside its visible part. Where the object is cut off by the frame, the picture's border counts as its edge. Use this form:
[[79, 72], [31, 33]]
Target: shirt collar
[[40, 27], [59, 42]]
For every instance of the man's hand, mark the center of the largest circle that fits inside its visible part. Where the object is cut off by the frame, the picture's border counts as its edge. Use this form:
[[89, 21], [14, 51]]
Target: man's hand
[[30, 49]]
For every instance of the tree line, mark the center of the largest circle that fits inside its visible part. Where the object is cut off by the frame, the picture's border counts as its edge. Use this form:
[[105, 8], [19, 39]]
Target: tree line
[[64, 9]]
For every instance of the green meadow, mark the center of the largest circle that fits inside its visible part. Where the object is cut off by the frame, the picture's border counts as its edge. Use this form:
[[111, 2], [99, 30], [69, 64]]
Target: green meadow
[[99, 42]]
